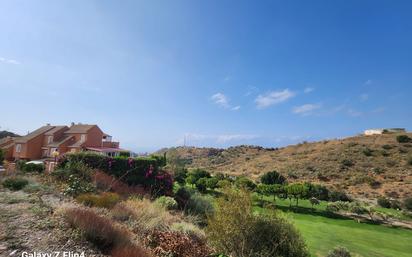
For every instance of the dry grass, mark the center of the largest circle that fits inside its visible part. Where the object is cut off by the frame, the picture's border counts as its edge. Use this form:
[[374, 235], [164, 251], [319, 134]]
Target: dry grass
[[99, 230], [319, 162], [104, 200]]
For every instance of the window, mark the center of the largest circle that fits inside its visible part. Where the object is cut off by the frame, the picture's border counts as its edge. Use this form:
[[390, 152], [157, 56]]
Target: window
[[83, 138], [50, 139], [18, 148]]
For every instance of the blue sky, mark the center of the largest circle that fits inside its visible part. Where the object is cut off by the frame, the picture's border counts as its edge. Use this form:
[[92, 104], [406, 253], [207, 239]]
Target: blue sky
[[219, 72]]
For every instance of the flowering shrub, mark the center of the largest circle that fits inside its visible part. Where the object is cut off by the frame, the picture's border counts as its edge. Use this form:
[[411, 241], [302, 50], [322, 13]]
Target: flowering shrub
[[77, 186], [143, 172]]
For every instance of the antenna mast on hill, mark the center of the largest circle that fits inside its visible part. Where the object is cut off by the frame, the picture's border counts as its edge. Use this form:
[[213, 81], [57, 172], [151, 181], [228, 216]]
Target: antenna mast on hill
[[184, 140]]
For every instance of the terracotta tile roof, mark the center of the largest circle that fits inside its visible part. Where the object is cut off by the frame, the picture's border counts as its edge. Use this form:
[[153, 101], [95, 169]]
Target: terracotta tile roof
[[79, 129], [55, 129], [61, 141], [77, 144], [33, 134], [7, 146]]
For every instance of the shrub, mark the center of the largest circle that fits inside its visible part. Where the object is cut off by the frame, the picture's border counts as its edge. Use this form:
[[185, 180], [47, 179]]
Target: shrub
[[243, 182], [146, 216], [234, 225], [347, 163], [77, 186], [98, 230], [272, 177], [339, 196], [387, 147], [171, 243], [408, 203], [403, 139], [180, 176], [167, 202], [201, 184], [395, 204], [384, 202], [32, 167], [199, 205], [2, 154], [188, 229], [15, 183], [224, 183], [367, 152], [104, 200], [410, 160], [339, 252]]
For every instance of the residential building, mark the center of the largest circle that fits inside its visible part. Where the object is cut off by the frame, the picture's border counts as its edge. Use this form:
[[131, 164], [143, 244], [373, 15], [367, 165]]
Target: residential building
[[43, 142], [370, 132]]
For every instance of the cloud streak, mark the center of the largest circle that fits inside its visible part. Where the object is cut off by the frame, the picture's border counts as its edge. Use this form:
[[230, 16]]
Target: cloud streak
[[9, 61], [193, 138], [223, 101], [273, 97], [306, 109]]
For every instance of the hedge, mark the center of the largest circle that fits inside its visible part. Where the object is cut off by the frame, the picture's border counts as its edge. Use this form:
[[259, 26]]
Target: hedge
[[133, 171]]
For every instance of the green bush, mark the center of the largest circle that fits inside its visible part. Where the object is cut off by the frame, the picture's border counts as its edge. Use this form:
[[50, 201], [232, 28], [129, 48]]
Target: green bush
[[339, 252], [234, 224], [200, 205], [15, 183], [347, 163], [403, 139], [408, 203], [339, 196], [384, 202], [243, 182], [167, 202], [104, 200], [367, 152], [224, 183], [272, 177], [32, 167], [410, 160]]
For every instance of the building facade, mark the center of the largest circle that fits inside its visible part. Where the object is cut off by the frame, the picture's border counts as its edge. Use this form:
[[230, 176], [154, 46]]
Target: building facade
[[44, 142]]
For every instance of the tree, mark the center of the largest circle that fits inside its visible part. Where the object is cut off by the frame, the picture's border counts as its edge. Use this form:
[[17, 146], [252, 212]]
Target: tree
[[243, 182], [318, 191], [236, 231], [272, 177], [298, 191]]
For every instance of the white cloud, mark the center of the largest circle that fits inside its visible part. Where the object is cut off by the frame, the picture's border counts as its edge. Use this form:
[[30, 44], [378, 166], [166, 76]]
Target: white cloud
[[9, 61], [308, 90], [364, 97], [306, 109], [221, 100], [273, 97]]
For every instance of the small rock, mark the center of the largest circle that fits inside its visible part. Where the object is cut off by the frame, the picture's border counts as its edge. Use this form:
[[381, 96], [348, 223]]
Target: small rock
[[13, 253]]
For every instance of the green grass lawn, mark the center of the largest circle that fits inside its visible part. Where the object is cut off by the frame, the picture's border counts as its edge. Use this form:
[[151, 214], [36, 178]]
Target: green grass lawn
[[322, 233]]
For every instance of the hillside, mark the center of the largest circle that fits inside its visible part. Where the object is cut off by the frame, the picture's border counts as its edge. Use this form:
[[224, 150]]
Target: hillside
[[5, 133], [364, 166]]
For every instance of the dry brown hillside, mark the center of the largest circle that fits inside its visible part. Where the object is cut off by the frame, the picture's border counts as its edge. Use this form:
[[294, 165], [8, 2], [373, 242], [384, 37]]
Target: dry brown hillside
[[364, 166]]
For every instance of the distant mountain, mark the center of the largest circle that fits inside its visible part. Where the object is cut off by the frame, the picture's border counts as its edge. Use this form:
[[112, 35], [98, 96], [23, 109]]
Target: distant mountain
[[5, 133], [364, 166]]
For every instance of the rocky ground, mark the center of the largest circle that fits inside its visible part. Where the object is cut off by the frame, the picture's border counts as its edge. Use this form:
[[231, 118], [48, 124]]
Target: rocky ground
[[30, 222]]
